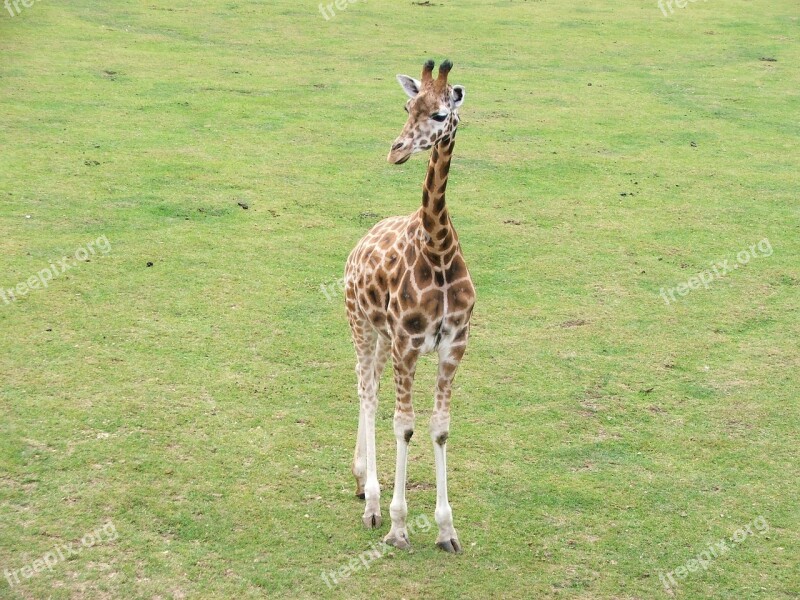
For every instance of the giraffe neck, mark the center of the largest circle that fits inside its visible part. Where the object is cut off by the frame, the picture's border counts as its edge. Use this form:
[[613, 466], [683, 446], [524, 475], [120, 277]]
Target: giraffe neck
[[435, 219]]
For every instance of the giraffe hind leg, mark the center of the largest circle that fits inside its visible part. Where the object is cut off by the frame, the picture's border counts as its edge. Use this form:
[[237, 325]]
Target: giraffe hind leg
[[365, 339], [382, 351]]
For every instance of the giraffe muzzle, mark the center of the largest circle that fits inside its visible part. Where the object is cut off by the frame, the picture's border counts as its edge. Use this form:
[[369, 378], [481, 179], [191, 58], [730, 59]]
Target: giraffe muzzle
[[402, 160], [400, 153]]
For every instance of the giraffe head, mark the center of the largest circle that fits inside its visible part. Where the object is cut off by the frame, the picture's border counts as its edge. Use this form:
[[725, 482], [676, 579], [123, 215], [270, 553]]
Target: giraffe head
[[432, 112]]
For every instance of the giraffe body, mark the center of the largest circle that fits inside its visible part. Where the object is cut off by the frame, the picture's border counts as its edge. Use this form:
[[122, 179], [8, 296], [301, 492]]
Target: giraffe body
[[405, 291], [408, 292]]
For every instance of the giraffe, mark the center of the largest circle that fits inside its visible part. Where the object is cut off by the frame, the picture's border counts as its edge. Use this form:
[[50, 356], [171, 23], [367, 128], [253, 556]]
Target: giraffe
[[408, 293]]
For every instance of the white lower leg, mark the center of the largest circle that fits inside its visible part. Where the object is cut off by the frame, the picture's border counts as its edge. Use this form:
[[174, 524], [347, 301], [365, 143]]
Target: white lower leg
[[372, 490], [448, 538], [440, 428], [404, 368], [398, 509], [443, 514], [367, 392], [360, 455], [403, 430]]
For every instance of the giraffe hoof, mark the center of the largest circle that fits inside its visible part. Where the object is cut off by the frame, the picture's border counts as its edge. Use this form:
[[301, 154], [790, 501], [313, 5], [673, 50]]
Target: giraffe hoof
[[398, 541], [372, 521], [452, 546], [361, 495]]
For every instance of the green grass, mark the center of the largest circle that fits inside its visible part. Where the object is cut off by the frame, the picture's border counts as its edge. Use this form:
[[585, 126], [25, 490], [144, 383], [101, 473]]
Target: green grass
[[206, 405]]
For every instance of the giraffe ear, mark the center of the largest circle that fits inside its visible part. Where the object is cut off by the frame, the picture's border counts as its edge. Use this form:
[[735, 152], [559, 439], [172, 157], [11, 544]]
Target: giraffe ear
[[410, 85], [457, 95]]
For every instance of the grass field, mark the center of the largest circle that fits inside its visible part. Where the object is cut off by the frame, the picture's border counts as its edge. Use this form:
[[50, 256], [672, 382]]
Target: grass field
[[199, 414]]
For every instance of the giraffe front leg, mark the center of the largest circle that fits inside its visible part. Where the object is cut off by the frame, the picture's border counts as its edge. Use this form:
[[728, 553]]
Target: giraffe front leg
[[440, 429], [405, 365]]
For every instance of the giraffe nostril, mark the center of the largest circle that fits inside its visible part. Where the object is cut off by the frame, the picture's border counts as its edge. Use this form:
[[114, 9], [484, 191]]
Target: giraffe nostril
[[397, 145]]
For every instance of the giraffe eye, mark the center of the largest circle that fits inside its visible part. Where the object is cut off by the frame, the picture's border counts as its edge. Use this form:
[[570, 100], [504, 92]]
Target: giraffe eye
[[439, 118]]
